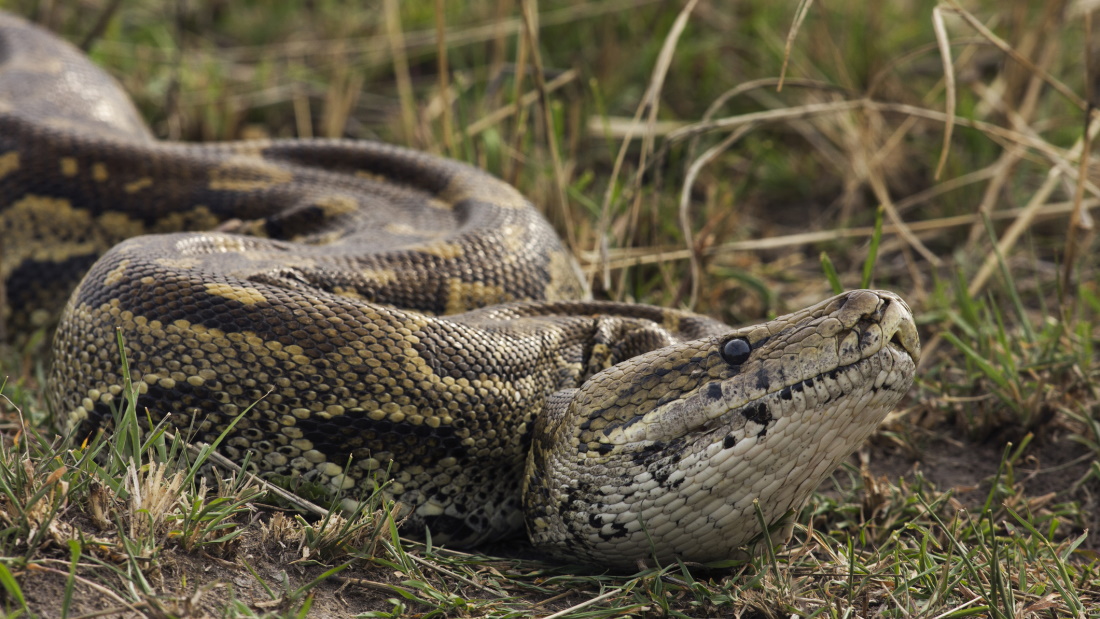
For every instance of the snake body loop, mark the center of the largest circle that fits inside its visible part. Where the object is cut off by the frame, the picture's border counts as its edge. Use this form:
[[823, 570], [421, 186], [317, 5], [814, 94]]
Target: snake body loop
[[363, 315]]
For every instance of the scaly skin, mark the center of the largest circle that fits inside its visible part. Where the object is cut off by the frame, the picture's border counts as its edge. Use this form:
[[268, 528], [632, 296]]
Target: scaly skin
[[301, 281]]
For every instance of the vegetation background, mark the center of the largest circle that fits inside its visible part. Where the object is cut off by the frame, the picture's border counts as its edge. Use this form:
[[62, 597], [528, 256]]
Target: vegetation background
[[724, 156]]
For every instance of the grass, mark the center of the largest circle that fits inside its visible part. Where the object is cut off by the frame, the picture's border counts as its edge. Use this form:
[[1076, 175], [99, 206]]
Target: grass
[[655, 137]]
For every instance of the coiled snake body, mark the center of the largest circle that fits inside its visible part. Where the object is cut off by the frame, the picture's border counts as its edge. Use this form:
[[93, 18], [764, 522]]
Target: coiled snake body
[[392, 317]]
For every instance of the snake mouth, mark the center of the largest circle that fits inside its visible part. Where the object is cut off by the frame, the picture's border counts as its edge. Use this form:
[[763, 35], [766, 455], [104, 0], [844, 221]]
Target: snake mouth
[[899, 343]]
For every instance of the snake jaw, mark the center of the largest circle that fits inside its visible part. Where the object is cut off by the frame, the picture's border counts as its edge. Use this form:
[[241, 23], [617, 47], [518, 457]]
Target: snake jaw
[[678, 480]]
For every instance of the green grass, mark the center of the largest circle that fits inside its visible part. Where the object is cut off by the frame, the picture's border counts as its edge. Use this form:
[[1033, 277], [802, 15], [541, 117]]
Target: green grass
[[972, 501]]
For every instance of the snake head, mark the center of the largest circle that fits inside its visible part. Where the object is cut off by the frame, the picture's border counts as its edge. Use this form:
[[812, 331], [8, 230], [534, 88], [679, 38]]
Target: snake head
[[662, 456]]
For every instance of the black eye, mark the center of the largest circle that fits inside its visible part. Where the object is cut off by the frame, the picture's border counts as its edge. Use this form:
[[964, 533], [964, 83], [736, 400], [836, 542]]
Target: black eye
[[736, 351]]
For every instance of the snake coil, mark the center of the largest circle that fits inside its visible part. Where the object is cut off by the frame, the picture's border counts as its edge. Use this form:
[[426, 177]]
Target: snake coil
[[371, 315]]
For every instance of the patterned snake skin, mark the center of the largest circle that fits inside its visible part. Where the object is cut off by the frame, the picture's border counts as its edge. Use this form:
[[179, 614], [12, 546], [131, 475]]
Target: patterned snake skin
[[400, 320]]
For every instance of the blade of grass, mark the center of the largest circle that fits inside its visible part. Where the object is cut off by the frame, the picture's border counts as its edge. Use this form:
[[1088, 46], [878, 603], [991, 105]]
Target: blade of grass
[[872, 250], [831, 274], [74, 560], [12, 587]]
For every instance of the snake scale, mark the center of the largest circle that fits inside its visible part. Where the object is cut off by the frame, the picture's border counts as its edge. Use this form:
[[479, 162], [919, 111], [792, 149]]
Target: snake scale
[[382, 317]]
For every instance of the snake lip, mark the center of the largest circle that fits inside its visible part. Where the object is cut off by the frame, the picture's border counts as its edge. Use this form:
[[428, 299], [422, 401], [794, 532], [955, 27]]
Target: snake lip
[[898, 343]]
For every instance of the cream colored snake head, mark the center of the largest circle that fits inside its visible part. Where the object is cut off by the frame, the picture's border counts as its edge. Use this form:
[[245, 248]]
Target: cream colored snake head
[[663, 455]]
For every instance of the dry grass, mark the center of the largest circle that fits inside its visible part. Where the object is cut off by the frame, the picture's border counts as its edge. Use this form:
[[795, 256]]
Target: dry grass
[[659, 141]]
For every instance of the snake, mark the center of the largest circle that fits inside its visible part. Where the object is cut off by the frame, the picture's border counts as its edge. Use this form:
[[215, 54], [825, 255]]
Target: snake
[[367, 318]]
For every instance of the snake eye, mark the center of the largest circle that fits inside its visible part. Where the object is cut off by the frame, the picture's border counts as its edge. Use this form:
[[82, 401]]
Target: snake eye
[[736, 351]]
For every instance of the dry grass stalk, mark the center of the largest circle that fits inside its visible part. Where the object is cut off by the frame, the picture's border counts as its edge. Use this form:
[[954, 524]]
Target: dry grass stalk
[[340, 98], [949, 87], [1080, 224], [519, 125], [1027, 215], [685, 201], [800, 14], [497, 55], [1019, 119], [648, 103], [635, 256], [303, 118], [988, 34], [528, 99], [396, 39], [153, 498], [529, 8], [878, 185], [1080, 227], [444, 77]]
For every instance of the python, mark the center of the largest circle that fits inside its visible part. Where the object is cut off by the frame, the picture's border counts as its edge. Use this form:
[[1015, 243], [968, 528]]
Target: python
[[389, 318]]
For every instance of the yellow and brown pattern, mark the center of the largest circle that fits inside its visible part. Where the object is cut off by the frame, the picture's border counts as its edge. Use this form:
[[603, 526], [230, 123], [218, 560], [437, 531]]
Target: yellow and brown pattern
[[374, 315]]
